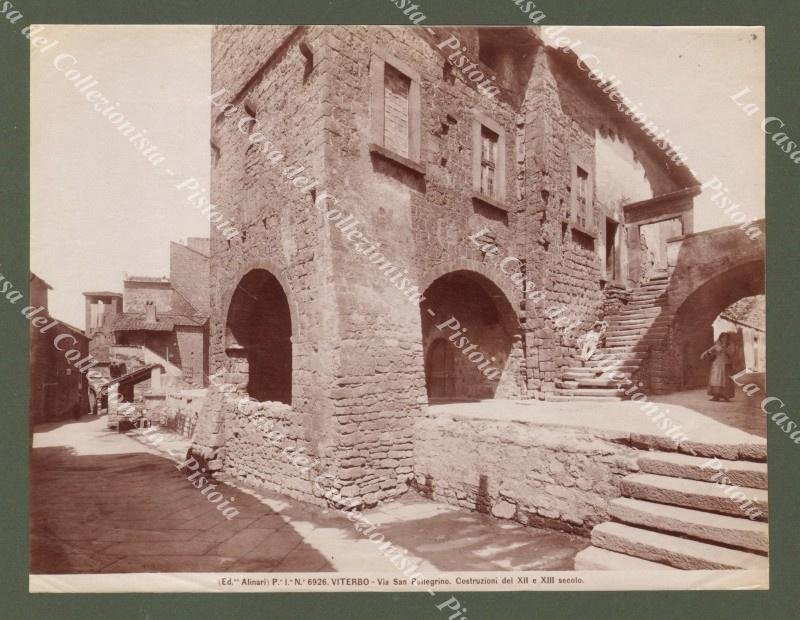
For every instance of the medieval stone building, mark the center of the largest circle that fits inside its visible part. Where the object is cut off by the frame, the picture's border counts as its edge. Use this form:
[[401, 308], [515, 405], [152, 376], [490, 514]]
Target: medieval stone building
[[155, 319], [59, 390], [410, 231]]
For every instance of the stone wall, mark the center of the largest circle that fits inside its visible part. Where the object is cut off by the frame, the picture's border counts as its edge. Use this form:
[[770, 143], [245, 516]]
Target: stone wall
[[563, 118], [191, 350], [542, 476], [262, 74], [189, 273], [422, 216], [264, 447], [136, 294], [179, 410], [358, 341]]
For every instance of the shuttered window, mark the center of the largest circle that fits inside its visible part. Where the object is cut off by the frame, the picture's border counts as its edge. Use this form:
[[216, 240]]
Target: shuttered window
[[489, 140], [582, 198], [396, 111]]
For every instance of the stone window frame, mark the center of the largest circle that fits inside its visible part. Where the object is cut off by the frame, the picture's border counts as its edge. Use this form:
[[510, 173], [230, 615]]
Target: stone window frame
[[498, 200], [589, 228], [377, 67]]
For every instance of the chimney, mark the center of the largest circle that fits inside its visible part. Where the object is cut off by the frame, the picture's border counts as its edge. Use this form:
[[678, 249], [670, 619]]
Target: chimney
[[150, 312]]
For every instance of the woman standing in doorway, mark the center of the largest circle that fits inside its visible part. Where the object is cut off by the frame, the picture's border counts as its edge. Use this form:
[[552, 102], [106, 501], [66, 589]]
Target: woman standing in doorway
[[722, 354]]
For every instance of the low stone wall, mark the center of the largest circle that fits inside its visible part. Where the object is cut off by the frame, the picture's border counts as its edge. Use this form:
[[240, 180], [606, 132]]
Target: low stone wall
[[555, 477], [181, 409], [266, 446]]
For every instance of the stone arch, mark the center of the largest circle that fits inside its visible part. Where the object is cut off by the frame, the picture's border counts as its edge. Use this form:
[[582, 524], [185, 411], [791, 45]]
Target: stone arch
[[259, 329], [691, 327], [277, 272], [499, 280], [471, 338]]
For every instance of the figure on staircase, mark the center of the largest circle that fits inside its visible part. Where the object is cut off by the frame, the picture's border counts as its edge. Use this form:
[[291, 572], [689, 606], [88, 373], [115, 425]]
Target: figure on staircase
[[722, 354], [592, 339]]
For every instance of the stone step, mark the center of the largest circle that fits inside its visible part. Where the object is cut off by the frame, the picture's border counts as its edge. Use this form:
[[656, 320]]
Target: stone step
[[707, 526], [694, 494], [612, 392], [643, 335], [628, 324], [654, 295], [595, 558], [558, 398], [609, 366], [649, 292], [623, 358], [582, 377], [651, 317], [632, 345], [677, 465], [586, 382], [647, 318], [647, 304], [643, 313], [639, 306], [637, 346], [638, 327], [579, 370], [630, 339], [659, 282], [673, 550], [637, 301], [639, 333]]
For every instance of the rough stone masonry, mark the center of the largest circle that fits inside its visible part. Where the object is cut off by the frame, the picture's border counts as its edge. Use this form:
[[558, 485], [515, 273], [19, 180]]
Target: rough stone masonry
[[409, 147]]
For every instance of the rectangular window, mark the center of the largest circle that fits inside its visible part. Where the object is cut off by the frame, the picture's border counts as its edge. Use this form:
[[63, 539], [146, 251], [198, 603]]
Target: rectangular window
[[488, 160], [395, 112], [489, 140], [97, 311], [582, 198], [396, 88]]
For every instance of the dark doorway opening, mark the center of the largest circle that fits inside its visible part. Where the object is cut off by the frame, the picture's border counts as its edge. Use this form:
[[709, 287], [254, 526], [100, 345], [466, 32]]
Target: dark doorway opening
[[468, 331], [260, 329], [612, 261]]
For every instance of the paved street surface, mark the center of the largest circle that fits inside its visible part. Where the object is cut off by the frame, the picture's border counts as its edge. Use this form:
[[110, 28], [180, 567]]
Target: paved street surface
[[103, 502]]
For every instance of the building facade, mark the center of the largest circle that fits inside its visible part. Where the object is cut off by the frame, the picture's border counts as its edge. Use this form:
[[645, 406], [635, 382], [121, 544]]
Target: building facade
[[408, 234], [156, 320], [59, 389]]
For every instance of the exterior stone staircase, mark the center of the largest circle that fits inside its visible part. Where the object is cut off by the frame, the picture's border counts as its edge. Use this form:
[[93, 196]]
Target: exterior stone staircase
[[638, 326], [672, 515]]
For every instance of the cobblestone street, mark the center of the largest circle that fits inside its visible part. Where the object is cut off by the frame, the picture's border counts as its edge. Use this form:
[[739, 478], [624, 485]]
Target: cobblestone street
[[104, 502]]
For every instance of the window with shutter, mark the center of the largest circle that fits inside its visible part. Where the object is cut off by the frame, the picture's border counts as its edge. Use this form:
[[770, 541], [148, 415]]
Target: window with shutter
[[396, 111], [582, 198], [489, 141]]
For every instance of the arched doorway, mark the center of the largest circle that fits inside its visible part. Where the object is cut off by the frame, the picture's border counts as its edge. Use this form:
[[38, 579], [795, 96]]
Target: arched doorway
[[693, 324], [259, 329], [469, 330]]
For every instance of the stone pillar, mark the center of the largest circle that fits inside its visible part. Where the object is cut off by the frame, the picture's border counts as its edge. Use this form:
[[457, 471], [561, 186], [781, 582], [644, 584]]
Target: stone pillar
[[155, 380], [113, 390]]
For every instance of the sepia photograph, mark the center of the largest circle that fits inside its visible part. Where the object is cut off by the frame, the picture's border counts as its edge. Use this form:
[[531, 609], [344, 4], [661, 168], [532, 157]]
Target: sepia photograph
[[418, 308]]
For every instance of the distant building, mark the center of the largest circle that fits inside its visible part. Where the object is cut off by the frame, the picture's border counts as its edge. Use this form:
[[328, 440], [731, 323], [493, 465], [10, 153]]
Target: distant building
[[156, 320], [59, 391], [102, 308], [747, 319]]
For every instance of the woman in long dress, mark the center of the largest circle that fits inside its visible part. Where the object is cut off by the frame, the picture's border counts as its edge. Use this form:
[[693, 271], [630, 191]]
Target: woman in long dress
[[722, 354]]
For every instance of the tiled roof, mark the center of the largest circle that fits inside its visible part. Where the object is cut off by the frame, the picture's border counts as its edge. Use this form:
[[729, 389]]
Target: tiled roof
[[127, 322], [133, 377], [159, 279], [102, 294], [33, 275]]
